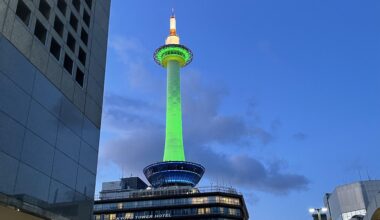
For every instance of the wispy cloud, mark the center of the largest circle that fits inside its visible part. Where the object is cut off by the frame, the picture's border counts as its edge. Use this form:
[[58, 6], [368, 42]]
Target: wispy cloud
[[132, 54], [300, 136]]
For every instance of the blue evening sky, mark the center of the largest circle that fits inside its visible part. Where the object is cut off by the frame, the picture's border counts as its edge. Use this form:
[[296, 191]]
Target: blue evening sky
[[281, 100]]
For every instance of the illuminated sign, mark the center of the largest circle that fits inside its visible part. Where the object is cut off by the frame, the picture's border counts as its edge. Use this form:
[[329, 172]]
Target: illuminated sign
[[166, 215]]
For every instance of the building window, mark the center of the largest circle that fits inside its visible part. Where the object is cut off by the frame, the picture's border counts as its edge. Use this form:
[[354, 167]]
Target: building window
[[23, 12], [44, 8], [73, 21], [79, 77], [68, 64], [76, 4], [112, 216], [86, 18], [40, 32], [82, 56], [70, 41], [89, 3], [84, 36], [55, 49], [61, 4], [58, 26]]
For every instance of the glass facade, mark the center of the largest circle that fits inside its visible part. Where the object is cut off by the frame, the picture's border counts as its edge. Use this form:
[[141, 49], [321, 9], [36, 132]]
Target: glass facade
[[49, 134], [48, 147]]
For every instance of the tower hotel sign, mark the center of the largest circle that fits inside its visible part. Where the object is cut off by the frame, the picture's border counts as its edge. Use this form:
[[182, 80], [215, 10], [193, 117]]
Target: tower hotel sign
[[166, 215]]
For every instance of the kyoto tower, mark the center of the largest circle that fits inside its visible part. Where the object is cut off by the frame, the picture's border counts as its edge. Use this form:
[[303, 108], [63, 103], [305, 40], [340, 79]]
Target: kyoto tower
[[174, 170]]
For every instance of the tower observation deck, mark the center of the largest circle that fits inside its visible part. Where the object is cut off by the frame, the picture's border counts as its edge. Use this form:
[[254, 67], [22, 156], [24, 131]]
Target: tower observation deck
[[174, 170]]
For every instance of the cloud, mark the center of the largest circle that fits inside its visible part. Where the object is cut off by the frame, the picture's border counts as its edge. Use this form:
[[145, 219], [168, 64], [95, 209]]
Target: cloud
[[300, 136], [139, 128], [250, 173], [131, 53], [203, 122]]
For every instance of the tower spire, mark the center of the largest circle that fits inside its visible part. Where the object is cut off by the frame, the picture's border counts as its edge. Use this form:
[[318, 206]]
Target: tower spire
[[172, 38]]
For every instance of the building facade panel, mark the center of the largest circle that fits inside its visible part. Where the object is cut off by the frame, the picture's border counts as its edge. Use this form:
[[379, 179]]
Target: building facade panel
[[31, 184], [8, 179], [37, 153], [68, 142], [14, 65], [65, 169], [88, 157], [42, 122], [11, 136], [45, 94], [14, 101]]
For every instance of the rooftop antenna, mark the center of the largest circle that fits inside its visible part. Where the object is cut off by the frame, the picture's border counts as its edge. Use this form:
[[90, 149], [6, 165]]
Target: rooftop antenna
[[369, 177], [360, 175]]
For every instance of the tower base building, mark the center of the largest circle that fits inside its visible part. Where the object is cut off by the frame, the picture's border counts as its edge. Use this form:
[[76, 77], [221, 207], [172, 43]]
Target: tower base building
[[122, 202]]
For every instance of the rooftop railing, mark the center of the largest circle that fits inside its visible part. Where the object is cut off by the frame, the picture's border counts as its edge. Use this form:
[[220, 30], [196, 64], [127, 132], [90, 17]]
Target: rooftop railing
[[150, 192]]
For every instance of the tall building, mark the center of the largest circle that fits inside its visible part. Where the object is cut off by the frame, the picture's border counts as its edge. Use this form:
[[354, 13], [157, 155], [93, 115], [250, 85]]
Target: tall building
[[173, 193], [52, 66], [352, 200]]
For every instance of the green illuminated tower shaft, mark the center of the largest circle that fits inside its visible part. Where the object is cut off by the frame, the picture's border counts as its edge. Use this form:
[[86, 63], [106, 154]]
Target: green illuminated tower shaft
[[174, 150], [173, 56]]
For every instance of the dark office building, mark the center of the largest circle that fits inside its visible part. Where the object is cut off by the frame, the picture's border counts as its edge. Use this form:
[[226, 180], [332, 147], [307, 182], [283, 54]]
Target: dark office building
[[175, 202], [52, 65]]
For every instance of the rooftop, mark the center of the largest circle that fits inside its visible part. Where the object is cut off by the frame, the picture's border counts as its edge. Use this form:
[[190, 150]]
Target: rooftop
[[150, 192]]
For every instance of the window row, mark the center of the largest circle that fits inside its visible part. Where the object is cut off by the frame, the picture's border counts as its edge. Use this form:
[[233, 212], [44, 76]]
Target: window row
[[62, 6], [24, 13], [170, 213], [169, 202], [40, 31], [45, 9]]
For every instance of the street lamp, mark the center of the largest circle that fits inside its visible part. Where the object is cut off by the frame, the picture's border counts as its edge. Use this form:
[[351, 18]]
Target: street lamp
[[318, 211]]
